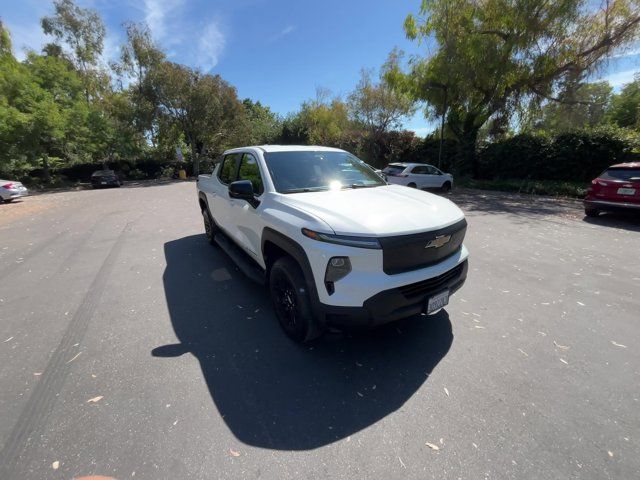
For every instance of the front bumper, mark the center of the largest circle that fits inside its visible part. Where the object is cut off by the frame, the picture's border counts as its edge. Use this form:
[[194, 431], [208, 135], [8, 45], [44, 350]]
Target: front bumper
[[610, 206], [395, 303]]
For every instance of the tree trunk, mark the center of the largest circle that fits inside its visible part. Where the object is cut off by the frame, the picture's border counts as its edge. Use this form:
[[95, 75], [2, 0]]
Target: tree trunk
[[466, 132], [468, 141], [195, 158], [46, 173]]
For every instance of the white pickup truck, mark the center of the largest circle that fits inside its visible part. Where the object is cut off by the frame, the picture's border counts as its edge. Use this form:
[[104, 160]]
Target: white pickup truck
[[336, 245]]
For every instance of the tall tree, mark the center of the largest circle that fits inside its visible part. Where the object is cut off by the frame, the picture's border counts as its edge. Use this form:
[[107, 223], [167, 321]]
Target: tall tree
[[625, 108], [263, 126], [378, 108], [579, 105], [492, 57], [5, 41], [325, 120], [83, 31], [204, 107], [139, 56]]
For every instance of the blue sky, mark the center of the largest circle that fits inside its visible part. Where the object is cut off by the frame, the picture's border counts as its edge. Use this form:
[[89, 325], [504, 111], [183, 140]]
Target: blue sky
[[274, 51]]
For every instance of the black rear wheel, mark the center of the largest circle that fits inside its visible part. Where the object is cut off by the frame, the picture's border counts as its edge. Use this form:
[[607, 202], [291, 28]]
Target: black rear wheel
[[412, 185], [290, 300]]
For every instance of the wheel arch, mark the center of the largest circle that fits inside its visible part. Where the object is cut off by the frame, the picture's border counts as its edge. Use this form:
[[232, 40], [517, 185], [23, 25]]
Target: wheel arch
[[274, 244], [202, 200]]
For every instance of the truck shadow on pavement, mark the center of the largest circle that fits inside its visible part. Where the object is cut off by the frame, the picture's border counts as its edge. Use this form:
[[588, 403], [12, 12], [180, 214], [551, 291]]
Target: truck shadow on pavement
[[271, 392]]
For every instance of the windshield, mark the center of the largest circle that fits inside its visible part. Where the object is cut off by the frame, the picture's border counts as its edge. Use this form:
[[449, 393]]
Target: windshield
[[620, 174], [103, 173], [294, 172]]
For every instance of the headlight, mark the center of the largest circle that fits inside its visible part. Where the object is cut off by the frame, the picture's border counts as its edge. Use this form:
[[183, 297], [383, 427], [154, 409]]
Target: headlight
[[349, 241], [337, 268]]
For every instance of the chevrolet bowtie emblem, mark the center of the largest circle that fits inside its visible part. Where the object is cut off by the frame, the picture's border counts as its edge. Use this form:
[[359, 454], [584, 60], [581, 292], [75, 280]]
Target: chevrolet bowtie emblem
[[438, 241]]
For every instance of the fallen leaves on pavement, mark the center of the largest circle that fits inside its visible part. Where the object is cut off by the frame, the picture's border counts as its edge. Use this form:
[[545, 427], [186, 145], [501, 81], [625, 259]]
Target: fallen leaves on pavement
[[234, 453], [95, 399], [432, 446]]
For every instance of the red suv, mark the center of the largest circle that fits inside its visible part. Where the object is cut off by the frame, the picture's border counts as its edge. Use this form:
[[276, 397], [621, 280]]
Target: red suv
[[616, 189]]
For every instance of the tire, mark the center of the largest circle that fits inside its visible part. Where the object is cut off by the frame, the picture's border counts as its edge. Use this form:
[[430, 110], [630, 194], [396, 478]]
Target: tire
[[446, 187], [412, 185], [591, 212], [210, 227], [291, 302]]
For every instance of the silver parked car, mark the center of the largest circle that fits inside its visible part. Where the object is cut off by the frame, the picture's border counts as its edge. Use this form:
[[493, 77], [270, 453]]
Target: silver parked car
[[10, 190]]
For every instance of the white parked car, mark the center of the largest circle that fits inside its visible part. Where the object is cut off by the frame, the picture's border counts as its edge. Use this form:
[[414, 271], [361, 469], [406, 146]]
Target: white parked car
[[418, 175], [10, 190], [335, 243]]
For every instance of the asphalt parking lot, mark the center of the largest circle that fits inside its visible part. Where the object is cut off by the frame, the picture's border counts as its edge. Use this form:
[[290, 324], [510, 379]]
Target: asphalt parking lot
[[131, 348]]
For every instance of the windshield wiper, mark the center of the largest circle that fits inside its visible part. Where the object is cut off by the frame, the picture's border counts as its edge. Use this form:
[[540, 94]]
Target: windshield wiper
[[360, 185], [306, 189]]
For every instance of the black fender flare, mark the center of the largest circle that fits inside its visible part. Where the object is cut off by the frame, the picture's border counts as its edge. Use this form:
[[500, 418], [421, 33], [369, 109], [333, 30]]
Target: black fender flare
[[203, 197], [295, 250]]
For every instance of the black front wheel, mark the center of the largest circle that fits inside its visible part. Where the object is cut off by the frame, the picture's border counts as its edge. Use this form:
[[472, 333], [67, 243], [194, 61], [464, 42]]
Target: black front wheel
[[209, 227], [446, 187], [290, 300]]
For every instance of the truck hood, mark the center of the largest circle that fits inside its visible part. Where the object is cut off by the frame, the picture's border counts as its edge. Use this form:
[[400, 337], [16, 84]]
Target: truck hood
[[380, 211]]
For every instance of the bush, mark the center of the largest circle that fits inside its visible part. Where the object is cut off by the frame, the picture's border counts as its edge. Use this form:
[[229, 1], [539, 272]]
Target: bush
[[534, 187], [574, 156]]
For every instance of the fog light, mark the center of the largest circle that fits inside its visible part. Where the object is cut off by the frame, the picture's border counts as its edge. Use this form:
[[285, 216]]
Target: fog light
[[337, 268]]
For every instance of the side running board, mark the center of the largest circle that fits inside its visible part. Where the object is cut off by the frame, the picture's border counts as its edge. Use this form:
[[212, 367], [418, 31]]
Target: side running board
[[242, 261]]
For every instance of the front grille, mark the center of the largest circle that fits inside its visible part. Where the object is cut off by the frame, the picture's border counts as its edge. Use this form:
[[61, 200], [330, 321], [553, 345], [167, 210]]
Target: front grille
[[403, 253], [432, 284]]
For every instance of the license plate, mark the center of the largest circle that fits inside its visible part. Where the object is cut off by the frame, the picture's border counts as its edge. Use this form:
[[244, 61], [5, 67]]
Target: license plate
[[437, 301], [626, 191]]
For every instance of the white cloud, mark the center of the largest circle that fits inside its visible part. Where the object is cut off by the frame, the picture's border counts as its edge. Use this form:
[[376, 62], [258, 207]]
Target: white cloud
[[156, 14], [210, 46], [26, 36], [284, 32], [287, 30], [618, 79]]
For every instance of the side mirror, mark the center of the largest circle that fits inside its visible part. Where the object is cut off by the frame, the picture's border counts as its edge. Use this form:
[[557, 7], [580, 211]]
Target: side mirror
[[243, 190]]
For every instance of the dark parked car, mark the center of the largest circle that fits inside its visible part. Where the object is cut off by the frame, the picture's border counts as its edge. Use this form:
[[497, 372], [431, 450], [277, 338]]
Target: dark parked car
[[616, 189], [105, 178]]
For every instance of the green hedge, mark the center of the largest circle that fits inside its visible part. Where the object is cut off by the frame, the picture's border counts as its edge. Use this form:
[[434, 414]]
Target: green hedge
[[575, 156], [536, 187]]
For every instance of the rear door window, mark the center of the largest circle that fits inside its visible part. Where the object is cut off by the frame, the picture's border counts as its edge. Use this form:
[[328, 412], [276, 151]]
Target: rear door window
[[394, 169], [421, 170]]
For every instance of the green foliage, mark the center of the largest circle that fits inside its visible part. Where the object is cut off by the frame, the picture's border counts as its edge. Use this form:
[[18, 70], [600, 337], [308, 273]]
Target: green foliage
[[262, 125], [625, 108], [532, 187], [581, 105], [205, 108], [495, 57], [576, 156], [83, 32]]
